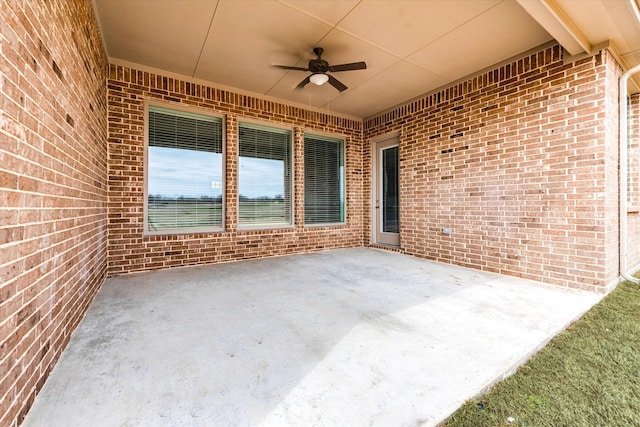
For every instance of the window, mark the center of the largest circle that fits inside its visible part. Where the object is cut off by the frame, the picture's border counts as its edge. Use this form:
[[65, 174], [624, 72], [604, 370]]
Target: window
[[323, 180], [184, 172], [264, 176]]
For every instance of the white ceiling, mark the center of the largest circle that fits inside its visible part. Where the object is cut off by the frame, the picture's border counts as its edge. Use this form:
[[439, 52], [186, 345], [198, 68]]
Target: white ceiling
[[411, 47]]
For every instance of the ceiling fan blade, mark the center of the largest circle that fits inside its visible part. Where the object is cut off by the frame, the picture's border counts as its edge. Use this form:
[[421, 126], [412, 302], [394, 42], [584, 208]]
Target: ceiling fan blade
[[305, 82], [286, 67], [337, 84], [348, 67]]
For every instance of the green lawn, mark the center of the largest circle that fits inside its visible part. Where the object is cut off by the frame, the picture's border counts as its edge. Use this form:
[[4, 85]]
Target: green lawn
[[589, 375], [165, 214]]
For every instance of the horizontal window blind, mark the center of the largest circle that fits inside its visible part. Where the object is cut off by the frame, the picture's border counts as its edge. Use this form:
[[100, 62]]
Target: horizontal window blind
[[184, 130], [323, 180], [264, 176], [184, 188]]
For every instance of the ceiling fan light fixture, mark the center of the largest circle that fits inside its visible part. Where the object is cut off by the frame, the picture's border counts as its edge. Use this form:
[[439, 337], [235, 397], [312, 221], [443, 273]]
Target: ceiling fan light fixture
[[319, 79]]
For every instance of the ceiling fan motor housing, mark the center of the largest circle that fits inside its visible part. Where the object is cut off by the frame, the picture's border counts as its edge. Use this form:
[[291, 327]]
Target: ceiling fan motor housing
[[318, 66]]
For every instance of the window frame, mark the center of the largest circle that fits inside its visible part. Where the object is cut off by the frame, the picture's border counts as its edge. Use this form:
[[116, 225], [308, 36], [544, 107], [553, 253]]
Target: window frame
[[292, 181], [147, 231], [335, 137]]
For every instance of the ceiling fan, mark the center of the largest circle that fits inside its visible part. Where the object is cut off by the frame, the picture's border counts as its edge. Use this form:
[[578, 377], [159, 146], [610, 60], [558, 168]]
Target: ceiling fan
[[319, 68]]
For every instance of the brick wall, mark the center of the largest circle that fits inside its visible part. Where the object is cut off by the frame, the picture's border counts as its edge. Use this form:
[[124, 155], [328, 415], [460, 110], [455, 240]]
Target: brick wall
[[130, 251], [633, 195], [519, 162], [609, 114], [52, 187], [633, 146]]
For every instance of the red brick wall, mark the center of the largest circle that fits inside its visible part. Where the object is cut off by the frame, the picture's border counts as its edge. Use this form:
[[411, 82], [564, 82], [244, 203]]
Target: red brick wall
[[519, 162], [633, 146], [53, 217], [609, 114], [130, 251], [633, 197]]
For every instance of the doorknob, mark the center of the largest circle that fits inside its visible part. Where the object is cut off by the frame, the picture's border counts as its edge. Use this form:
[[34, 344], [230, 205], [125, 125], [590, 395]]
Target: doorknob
[[377, 204]]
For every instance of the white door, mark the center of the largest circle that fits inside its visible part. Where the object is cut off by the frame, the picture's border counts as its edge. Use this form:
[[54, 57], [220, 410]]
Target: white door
[[386, 215]]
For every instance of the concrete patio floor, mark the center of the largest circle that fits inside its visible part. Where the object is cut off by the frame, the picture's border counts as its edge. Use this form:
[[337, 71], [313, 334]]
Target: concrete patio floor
[[348, 337]]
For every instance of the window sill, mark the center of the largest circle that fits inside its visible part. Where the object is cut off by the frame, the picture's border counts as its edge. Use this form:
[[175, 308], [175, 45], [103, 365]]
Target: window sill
[[266, 227], [326, 225], [178, 232]]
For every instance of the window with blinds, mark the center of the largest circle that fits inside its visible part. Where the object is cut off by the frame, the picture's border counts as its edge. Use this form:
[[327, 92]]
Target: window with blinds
[[323, 180], [184, 172], [264, 176]]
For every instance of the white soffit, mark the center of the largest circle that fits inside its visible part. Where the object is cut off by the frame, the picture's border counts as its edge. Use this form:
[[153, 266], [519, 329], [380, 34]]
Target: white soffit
[[328, 11], [153, 32], [603, 21], [580, 26], [495, 35], [410, 46], [399, 84], [409, 25], [247, 37], [553, 19]]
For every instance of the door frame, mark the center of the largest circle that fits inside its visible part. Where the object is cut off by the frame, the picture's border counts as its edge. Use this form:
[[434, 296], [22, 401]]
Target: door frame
[[389, 139]]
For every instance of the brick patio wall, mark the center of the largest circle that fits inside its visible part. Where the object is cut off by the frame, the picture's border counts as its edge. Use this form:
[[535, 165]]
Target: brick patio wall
[[520, 162], [609, 112], [633, 195], [53, 187], [130, 251]]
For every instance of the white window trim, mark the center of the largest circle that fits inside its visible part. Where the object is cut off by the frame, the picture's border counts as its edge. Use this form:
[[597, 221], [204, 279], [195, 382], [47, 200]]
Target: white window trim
[[292, 182], [187, 109], [344, 139]]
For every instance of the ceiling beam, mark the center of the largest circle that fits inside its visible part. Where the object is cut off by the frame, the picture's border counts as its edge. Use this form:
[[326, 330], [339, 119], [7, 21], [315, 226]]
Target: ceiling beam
[[556, 22]]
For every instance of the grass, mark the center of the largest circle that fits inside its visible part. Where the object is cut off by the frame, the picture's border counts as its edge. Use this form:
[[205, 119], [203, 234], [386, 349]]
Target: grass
[[589, 375], [187, 213]]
